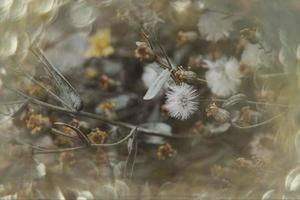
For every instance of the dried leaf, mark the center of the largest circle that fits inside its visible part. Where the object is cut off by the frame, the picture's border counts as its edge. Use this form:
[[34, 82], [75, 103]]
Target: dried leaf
[[157, 85]]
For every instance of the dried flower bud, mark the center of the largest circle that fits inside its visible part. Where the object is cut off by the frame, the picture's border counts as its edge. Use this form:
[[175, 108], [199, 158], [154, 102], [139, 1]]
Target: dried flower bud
[[165, 151], [199, 128], [219, 114], [144, 52], [107, 105], [248, 116], [37, 124], [249, 34], [67, 159], [106, 83], [189, 77], [185, 37], [97, 136]]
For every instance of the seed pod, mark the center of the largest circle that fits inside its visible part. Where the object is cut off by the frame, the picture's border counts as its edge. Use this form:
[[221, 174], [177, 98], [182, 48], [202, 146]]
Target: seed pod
[[219, 114]]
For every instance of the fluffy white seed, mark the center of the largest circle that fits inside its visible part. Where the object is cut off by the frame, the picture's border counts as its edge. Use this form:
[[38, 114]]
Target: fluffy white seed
[[182, 101]]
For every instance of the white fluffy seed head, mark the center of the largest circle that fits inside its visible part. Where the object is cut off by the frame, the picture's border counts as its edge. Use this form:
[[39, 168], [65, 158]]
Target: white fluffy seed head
[[223, 76], [215, 26], [182, 101]]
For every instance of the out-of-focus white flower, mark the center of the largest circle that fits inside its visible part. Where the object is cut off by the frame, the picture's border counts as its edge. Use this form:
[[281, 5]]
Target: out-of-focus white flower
[[9, 197], [215, 26], [298, 52], [223, 76], [182, 101], [181, 5], [84, 195], [292, 180], [118, 190], [41, 170], [255, 56]]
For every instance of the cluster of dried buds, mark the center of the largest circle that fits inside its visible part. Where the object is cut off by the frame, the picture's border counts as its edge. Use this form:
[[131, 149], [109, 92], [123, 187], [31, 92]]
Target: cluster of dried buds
[[165, 151], [144, 52]]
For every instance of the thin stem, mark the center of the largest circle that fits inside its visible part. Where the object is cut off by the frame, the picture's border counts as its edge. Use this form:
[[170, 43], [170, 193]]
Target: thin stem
[[41, 150], [256, 125], [103, 119], [58, 132], [58, 150], [254, 103], [117, 143], [80, 134]]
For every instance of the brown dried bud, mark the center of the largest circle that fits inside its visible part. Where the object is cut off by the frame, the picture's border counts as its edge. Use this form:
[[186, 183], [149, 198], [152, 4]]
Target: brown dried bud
[[144, 52], [67, 159], [189, 77], [165, 151], [185, 37], [37, 124], [249, 34], [106, 83], [219, 114], [199, 128], [97, 136]]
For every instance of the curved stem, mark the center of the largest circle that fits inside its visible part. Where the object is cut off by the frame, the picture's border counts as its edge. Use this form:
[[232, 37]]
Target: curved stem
[[255, 125]]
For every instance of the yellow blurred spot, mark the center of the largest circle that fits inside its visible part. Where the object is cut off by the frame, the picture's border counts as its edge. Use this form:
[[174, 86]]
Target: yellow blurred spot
[[100, 44]]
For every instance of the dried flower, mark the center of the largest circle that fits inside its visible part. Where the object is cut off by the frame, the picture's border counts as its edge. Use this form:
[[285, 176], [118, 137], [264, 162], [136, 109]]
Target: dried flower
[[215, 26], [249, 116], [223, 76], [107, 105], [144, 52], [105, 82], [165, 151], [100, 44], [199, 128], [37, 123], [67, 159], [219, 114], [182, 101], [185, 37], [189, 77], [96, 136]]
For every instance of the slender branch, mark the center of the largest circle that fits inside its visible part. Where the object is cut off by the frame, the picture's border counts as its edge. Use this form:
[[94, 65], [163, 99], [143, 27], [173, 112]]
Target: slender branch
[[133, 131], [80, 134], [42, 150], [58, 150], [256, 125], [254, 103], [58, 132], [103, 119]]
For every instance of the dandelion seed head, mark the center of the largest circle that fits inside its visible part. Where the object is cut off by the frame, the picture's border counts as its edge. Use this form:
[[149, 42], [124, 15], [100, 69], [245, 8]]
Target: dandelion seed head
[[223, 76], [215, 26], [182, 101]]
